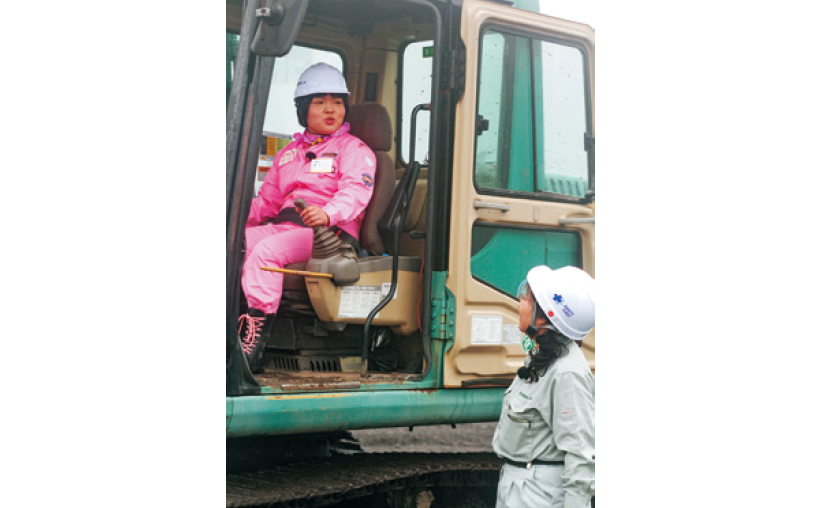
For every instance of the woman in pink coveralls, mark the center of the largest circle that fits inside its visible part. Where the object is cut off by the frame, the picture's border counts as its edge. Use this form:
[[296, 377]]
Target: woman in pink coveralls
[[326, 166]]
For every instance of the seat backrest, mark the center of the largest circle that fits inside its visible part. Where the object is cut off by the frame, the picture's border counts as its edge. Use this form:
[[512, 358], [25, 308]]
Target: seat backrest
[[371, 123], [392, 220]]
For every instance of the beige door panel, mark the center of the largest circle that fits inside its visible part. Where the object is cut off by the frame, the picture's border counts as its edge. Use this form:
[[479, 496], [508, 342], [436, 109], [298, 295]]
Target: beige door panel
[[487, 342]]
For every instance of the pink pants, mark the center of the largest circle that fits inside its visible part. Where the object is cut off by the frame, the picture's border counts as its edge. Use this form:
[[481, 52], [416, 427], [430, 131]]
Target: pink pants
[[274, 245]]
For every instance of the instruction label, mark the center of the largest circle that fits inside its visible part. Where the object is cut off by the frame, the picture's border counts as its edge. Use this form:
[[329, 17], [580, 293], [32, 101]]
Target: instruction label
[[511, 334], [386, 287], [358, 301], [486, 330]]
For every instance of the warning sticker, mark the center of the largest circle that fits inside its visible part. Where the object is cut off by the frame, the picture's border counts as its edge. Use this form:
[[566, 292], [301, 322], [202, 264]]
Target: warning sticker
[[358, 301], [486, 329]]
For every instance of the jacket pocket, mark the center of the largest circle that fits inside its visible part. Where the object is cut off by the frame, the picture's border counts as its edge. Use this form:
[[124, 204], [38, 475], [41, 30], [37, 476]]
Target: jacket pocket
[[517, 432], [521, 418]]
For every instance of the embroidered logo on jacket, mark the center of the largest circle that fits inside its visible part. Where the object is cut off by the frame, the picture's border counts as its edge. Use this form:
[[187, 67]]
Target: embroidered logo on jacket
[[367, 180], [288, 156]]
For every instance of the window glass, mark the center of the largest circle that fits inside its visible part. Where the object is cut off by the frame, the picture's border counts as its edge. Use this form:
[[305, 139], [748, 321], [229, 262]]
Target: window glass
[[231, 44], [280, 122], [417, 69], [490, 146], [281, 116], [563, 166], [532, 117], [522, 249]]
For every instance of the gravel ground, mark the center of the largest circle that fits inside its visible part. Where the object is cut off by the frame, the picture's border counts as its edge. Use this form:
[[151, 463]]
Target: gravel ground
[[468, 437]]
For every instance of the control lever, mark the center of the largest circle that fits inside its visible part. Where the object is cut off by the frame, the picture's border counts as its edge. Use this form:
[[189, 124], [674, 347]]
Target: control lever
[[301, 205], [327, 247]]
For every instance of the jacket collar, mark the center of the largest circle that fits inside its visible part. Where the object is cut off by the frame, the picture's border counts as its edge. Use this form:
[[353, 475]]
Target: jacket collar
[[313, 139]]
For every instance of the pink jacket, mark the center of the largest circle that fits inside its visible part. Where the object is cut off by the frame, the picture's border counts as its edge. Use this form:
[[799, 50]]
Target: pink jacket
[[339, 179]]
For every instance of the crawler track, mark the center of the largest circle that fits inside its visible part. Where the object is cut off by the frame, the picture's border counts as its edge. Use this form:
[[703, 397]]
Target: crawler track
[[332, 480]]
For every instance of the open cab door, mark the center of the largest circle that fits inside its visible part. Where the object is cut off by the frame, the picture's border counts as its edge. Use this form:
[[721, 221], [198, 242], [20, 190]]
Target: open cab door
[[523, 178]]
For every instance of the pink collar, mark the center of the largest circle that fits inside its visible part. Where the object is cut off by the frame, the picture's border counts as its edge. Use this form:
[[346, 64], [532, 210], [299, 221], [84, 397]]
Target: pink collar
[[313, 139]]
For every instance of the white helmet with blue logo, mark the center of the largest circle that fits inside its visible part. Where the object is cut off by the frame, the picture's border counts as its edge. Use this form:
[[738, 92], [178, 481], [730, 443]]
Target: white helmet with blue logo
[[320, 78], [567, 297]]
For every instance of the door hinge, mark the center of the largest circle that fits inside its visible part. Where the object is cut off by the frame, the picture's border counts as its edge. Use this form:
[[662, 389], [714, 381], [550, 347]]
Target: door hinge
[[456, 70], [443, 318]]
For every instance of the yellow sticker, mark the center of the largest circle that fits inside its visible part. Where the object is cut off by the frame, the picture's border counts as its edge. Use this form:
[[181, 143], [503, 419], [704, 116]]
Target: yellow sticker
[[271, 145]]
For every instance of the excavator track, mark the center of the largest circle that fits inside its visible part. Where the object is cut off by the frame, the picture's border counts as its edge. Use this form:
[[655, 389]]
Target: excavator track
[[337, 479]]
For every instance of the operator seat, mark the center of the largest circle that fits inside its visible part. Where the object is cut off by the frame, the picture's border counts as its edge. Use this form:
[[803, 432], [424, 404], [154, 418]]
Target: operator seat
[[370, 123]]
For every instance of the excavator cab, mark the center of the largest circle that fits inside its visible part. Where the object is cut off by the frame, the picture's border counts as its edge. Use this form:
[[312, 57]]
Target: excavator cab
[[480, 114], [363, 304]]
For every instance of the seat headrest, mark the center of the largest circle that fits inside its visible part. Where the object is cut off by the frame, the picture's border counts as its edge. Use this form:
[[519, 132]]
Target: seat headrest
[[371, 123]]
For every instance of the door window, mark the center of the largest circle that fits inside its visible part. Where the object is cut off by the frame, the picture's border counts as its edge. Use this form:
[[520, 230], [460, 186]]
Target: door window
[[502, 255], [532, 117]]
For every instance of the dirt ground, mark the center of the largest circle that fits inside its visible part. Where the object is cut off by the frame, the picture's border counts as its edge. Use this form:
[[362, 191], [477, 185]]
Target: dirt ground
[[468, 437]]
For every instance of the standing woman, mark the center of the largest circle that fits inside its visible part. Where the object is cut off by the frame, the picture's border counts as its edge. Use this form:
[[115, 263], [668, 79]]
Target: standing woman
[[326, 166], [546, 429]]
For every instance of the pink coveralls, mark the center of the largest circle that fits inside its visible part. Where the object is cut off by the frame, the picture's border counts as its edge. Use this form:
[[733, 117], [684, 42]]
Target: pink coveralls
[[339, 179]]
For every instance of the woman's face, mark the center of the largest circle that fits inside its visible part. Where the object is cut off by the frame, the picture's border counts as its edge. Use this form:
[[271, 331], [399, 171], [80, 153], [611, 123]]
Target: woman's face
[[325, 115], [526, 309]]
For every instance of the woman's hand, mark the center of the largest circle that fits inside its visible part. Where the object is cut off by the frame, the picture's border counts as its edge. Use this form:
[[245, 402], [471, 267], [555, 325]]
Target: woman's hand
[[314, 216]]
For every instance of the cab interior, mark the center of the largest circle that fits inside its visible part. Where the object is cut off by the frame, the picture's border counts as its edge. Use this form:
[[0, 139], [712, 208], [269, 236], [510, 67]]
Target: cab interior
[[385, 49]]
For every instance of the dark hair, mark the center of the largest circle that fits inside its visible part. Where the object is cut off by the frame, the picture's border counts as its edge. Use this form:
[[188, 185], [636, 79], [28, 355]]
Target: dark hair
[[552, 346], [302, 104]]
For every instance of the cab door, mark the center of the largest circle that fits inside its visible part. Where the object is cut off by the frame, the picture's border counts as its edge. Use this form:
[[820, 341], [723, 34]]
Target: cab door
[[523, 178]]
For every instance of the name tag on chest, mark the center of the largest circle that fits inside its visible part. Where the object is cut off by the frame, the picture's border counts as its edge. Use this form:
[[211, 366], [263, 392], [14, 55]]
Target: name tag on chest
[[322, 165]]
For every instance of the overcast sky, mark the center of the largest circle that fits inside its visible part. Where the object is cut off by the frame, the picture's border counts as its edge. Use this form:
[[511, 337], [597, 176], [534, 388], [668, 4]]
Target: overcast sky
[[583, 11]]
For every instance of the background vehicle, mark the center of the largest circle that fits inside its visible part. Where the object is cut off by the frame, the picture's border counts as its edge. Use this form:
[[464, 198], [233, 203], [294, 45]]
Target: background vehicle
[[489, 171]]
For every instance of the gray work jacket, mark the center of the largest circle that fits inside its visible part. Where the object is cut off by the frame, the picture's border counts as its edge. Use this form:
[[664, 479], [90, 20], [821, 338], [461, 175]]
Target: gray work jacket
[[552, 419]]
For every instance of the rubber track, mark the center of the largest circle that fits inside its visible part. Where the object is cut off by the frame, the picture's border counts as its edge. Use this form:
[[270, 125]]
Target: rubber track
[[327, 481]]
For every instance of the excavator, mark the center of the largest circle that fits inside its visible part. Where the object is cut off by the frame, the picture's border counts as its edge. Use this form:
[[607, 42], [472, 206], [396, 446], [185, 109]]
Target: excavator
[[481, 116]]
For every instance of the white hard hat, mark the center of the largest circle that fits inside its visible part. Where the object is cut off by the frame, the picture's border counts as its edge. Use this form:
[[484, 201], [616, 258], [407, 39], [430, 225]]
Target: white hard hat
[[567, 297], [320, 78]]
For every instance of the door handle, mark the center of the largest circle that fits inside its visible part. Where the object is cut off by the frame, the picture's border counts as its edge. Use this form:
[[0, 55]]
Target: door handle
[[582, 220], [491, 206]]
